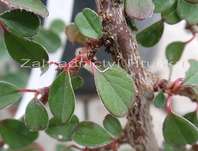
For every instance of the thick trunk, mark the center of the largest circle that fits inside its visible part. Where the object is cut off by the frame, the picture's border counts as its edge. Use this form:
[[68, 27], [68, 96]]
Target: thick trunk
[[123, 47]]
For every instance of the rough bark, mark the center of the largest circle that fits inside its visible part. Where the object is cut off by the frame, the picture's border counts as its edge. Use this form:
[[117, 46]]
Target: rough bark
[[123, 47]]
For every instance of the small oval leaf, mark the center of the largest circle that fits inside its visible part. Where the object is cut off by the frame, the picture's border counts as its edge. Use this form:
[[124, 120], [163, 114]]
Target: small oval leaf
[[160, 100], [139, 9], [57, 26], [116, 90], [192, 74], [163, 5], [25, 51], [21, 22], [168, 147], [151, 35], [3, 49], [8, 94], [62, 98], [89, 23], [36, 117], [170, 15], [62, 132], [35, 6], [91, 135], [47, 38], [112, 125], [174, 51], [179, 131], [18, 78], [188, 11], [74, 35], [15, 134]]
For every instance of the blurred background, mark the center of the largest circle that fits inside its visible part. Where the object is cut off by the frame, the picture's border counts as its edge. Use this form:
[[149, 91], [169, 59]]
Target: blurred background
[[88, 105]]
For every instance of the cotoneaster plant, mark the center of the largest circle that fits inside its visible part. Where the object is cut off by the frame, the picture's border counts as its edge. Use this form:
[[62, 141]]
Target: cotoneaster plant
[[126, 87]]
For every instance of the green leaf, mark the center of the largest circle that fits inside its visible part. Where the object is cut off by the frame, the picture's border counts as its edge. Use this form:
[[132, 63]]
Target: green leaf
[[35, 6], [47, 38], [15, 134], [22, 23], [62, 98], [192, 73], [8, 94], [91, 135], [116, 90], [74, 35], [89, 23], [25, 51], [131, 24], [174, 51], [160, 100], [151, 35], [188, 11], [18, 78], [112, 125], [77, 82], [139, 9], [3, 49], [170, 15], [168, 147], [163, 5], [179, 131], [192, 117], [57, 26], [36, 117], [62, 132]]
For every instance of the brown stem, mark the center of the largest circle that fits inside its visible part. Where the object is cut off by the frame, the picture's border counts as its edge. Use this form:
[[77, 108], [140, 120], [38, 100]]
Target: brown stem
[[42, 91], [169, 108], [1, 143], [28, 91], [123, 48], [195, 147], [113, 146], [191, 39]]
